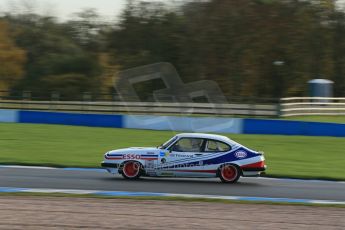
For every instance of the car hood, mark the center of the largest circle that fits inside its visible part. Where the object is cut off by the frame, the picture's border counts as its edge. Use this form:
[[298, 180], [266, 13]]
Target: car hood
[[136, 150]]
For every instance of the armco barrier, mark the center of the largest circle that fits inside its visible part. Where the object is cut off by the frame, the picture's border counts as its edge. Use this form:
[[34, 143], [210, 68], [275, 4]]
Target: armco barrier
[[8, 115], [189, 124], [95, 120]]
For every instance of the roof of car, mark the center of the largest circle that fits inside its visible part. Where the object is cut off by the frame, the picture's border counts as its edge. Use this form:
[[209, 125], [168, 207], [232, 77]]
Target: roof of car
[[205, 135]]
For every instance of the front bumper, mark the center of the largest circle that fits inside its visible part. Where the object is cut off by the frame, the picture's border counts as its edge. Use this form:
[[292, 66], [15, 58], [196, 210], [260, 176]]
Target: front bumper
[[112, 168], [109, 165]]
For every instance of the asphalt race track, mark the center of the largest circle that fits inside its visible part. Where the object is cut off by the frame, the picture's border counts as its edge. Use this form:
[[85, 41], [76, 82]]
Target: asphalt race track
[[101, 180]]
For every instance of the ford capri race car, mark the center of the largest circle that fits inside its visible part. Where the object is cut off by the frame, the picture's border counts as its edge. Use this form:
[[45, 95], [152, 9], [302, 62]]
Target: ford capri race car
[[188, 155]]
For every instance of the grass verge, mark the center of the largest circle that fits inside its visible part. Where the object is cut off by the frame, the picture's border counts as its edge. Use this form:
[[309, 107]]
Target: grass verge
[[332, 119], [72, 146]]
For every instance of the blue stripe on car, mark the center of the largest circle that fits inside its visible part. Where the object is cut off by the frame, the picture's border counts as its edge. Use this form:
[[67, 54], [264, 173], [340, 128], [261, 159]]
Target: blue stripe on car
[[205, 156], [216, 160]]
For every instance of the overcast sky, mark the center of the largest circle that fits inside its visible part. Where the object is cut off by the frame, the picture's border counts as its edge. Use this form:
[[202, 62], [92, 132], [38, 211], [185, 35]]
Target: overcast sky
[[63, 9]]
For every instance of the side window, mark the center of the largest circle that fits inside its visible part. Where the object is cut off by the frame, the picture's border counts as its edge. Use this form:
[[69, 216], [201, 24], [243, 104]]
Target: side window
[[188, 145], [216, 146]]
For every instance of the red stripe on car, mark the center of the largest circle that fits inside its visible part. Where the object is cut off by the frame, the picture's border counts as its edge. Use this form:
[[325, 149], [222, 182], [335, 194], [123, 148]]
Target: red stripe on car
[[260, 164]]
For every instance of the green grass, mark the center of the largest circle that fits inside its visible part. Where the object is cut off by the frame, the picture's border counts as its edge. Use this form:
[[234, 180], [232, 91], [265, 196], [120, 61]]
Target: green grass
[[333, 119], [72, 146]]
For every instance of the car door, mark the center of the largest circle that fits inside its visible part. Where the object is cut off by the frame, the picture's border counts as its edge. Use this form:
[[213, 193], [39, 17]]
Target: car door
[[215, 153], [180, 159]]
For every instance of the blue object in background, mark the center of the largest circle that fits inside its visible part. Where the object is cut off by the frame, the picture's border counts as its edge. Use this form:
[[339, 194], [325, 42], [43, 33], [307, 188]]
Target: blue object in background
[[10, 116], [95, 120], [191, 124], [320, 88], [280, 127]]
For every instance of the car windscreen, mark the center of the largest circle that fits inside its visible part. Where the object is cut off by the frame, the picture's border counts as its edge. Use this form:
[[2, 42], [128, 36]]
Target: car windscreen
[[168, 143]]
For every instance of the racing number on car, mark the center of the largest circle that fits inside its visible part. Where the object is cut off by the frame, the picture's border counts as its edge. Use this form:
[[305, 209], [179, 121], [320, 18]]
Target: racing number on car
[[131, 156]]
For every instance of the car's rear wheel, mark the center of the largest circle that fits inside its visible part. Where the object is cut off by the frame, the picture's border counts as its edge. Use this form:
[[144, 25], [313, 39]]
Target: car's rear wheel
[[131, 170], [229, 173]]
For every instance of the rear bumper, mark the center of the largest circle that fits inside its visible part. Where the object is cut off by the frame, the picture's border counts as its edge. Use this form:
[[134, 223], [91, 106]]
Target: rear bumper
[[258, 169], [259, 166], [253, 172]]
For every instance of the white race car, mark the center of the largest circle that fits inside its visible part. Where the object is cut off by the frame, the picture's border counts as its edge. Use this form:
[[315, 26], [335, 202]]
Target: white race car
[[188, 155]]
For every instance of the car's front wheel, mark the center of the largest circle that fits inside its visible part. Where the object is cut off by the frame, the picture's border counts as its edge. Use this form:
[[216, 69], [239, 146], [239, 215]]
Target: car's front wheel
[[229, 173], [131, 170]]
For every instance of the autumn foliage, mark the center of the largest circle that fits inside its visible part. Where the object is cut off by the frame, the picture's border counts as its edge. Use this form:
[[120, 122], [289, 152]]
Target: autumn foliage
[[251, 48], [12, 59]]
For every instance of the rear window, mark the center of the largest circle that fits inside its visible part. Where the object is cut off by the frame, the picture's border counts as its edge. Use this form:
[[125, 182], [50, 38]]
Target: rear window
[[216, 146]]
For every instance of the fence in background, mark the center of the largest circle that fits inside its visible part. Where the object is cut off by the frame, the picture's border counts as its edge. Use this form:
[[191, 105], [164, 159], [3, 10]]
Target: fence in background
[[144, 107], [239, 106], [301, 106]]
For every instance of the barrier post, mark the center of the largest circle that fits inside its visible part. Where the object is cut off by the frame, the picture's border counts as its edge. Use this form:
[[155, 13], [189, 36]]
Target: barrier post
[[279, 108], [87, 97]]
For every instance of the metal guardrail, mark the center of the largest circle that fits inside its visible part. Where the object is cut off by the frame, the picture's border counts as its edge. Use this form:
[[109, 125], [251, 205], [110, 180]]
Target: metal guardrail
[[301, 106], [144, 107]]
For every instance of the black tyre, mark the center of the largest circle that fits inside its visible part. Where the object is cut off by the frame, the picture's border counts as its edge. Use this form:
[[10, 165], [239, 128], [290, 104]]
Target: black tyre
[[229, 173], [131, 170]]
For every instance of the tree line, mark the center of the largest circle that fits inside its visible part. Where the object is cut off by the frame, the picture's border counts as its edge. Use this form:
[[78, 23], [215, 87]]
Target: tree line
[[251, 48]]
